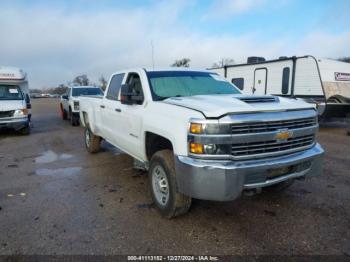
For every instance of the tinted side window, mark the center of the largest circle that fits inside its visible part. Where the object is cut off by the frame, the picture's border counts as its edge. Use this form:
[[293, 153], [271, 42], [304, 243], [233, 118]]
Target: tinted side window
[[135, 85], [114, 87], [285, 80], [239, 82]]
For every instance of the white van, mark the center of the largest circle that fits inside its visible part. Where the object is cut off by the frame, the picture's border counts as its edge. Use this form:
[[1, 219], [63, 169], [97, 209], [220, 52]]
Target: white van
[[15, 107], [324, 82]]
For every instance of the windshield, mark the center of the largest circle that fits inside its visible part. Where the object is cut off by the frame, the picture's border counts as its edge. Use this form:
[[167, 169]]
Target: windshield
[[86, 91], [10, 92], [165, 84]]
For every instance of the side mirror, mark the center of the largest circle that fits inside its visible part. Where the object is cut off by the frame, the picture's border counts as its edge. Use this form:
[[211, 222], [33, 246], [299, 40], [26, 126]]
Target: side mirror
[[128, 97], [27, 99], [65, 97]]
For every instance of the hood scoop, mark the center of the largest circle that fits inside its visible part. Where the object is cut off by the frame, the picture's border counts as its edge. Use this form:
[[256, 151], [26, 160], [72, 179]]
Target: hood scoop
[[258, 99]]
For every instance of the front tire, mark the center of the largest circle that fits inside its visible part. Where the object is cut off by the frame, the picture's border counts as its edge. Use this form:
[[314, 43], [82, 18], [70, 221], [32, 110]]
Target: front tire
[[74, 120], [162, 179], [25, 131], [92, 142]]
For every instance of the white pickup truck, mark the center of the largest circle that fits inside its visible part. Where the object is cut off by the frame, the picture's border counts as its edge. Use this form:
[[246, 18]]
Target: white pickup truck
[[198, 137], [69, 104]]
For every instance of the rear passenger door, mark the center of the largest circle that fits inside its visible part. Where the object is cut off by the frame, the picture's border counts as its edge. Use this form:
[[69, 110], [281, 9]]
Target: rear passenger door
[[110, 109]]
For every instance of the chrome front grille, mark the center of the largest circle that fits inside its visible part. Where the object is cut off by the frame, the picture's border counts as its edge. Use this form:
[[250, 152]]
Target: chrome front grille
[[249, 136], [4, 114], [272, 146], [260, 127]]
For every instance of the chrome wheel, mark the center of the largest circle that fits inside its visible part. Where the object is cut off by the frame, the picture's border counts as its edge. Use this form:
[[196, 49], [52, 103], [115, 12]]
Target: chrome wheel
[[87, 138], [160, 185]]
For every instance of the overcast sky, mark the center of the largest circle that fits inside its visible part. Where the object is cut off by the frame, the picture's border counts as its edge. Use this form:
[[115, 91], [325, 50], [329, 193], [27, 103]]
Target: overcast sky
[[56, 40]]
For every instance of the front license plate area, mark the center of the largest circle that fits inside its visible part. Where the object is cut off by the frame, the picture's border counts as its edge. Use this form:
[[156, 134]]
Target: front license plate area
[[280, 171]]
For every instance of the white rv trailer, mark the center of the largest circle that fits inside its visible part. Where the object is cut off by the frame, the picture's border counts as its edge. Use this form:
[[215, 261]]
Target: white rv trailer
[[325, 82], [15, 107]]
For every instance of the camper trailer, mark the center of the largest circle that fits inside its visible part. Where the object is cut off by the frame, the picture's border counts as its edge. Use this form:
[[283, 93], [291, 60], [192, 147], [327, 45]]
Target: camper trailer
[[15, 107], [324, 82]]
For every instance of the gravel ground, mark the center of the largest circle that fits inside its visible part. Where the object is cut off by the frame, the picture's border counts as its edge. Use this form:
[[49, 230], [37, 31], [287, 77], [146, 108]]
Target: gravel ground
[[55, 198]]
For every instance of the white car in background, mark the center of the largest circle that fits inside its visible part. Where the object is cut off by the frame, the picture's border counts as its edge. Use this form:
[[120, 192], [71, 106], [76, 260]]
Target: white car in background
[[15, 107], [69, 104]]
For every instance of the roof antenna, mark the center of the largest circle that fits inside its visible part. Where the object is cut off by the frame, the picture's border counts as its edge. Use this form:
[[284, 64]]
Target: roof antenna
[[152, 54]]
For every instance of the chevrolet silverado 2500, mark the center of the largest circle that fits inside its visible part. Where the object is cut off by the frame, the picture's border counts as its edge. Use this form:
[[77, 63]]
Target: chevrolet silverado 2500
[[69, 104], [199, 137]]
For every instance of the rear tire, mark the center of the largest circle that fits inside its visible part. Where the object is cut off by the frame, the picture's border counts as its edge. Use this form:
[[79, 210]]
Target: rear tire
[[92, 142], [162, 179]]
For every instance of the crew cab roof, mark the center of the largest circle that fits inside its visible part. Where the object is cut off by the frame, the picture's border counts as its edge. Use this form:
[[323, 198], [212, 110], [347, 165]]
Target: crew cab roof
[[177, 69], [138, 69]]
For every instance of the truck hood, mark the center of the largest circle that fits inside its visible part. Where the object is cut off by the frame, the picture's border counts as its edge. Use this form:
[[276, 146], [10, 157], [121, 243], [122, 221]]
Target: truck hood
[[218, 105], [8, 105]]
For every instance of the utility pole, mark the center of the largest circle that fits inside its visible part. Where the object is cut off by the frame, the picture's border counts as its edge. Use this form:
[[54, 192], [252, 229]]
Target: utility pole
[[152, 54]]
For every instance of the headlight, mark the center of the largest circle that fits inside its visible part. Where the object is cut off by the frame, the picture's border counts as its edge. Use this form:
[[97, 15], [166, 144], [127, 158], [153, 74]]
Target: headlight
[[209, 149], [76, 105], [209, 138], [20, 112], [209, 129]]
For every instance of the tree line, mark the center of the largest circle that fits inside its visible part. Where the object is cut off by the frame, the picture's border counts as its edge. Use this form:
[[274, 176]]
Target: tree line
[[80, 80]]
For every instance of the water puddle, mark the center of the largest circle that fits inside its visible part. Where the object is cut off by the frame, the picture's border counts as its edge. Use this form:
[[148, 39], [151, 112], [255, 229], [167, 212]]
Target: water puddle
[[50, 156], [66, 171]]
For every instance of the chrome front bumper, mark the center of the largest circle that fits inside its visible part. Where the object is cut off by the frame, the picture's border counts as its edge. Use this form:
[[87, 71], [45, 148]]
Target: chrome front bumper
[[14, 123], [225, 180]]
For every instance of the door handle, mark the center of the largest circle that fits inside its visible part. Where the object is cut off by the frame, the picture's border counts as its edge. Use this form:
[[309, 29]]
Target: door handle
[[102, 106], [118, 110]]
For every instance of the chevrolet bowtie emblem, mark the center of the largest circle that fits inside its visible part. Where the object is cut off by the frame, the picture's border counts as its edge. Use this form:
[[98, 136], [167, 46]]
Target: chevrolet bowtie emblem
[[283, 135]]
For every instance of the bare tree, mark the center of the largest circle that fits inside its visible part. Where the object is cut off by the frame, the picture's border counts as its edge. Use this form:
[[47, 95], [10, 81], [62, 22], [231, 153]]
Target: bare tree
[[184, 62], [81, 80], [224, 62], [103, 82]]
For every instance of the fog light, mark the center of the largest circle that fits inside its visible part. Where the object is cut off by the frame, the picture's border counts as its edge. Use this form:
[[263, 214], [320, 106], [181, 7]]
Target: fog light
[[196, 148], [210, 149]]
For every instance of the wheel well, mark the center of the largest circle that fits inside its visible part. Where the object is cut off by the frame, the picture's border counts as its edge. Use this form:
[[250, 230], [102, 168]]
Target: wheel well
[[339, 99], [155, 142], [85, 119]]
